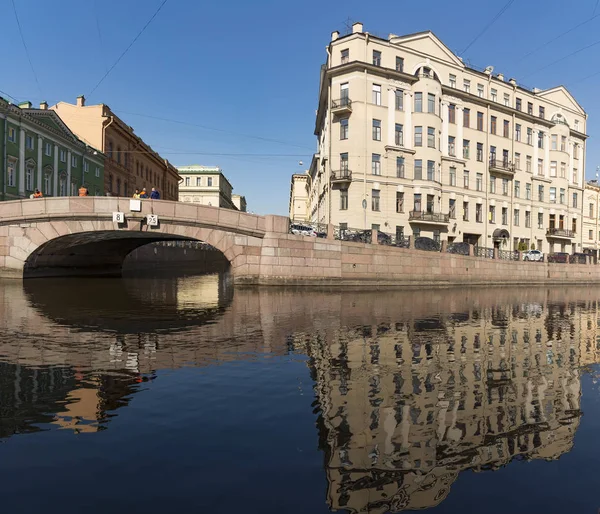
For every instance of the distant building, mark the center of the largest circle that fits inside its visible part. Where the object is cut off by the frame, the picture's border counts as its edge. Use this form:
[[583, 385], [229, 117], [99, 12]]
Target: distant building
[[39, 151], [130, 162], [299, 196], [240, 202], [207, 185]]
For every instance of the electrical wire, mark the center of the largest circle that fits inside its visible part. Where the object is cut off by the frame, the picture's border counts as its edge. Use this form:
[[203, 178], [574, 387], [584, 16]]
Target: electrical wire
[[494, 19], [128, 48], [25, 46]]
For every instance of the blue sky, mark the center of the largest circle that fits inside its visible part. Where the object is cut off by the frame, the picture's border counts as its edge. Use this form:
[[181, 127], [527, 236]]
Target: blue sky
[[251, 68]]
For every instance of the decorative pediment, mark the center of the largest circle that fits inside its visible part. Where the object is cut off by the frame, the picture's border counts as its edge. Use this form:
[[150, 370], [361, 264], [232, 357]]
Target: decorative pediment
[[48, 169], [427, 44], [53, 121], [30, 163], [561, 96]]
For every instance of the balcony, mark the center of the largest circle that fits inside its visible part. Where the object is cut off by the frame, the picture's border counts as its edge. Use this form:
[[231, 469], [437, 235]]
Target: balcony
[[428, 217], [341, 106], [502, 166], [560, 233], [341, 176]]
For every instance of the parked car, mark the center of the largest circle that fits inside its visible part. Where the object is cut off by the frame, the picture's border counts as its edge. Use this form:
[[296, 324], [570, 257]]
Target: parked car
[[533, 255], [558, 257], [302, 230]]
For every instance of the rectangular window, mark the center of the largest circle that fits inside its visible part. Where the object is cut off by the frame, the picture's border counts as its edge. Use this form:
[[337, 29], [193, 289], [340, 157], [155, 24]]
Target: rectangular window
[[562, 195], [517, 161], [376, 58], [492, 214], [418, 169], [479, 182], [451, 113], [540, 193], [343, 199], [431, 171], [552, 195], [416, 232], [576, 151], [540, 220], [453, 176], [506, 99], [400, 64], [399, 202], [480, 152], [86, 166], [73, 161], [563, 143], [505, 184], [530, 136], [344, 162], [553, 168], [527, 219], [344, 128], [528, 163], [590, 235], [517, 212], [466, 179], [452, 81], [97, 171], [518, 104], [494, 95], [541, 167], [493, 185], [376, 94], [399, 233], [574, 225], [418, 102], [518, 132], [466, 118], [505, 215], [12, 135], [591, 210], [480, 90], [376, 164], [575, 200], [479, 120], [417, 202], [451, 146], [431, 137], [209, 181], [63, 156], [575, 176], [554, 142], [374, 199], [376, 130], [478, 213], [465, 211], [399, 95], [29, 142], [466, 149], [431, 103], [517, 189], [418, 136], [563, 170], [542, 112], [345, 56], [400, 167], [452, 208], [48, 149], [493, 120], [399, 135], [527, 191], [10, 181], [198, 181], [529, 108], [506, 131], [540, 139], [429, 206], [467, 85]]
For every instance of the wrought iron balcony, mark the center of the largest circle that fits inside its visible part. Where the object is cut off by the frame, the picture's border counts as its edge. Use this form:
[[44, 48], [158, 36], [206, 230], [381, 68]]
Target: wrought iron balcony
[[341, 106], [340, 176], [560, 232], [502, 166], [428, 217]]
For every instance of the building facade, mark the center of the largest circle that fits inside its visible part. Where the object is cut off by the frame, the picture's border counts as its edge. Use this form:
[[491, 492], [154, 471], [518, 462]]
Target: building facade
[[413, 142], [299, 191], [130, 163], [207, 185], [39, 151]]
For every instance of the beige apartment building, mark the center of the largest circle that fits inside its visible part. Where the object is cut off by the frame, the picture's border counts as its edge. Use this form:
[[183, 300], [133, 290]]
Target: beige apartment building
[[207, 185], [130, 163], [413, 142]]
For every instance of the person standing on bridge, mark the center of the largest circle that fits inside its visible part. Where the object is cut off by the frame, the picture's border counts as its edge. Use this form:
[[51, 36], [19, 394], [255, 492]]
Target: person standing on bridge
[[137, 193], [37, 194], [154, 194], [83, 191], [143, 194]]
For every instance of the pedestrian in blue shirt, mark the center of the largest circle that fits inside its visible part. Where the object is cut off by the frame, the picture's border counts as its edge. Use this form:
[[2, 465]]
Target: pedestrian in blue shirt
[[154, 194]]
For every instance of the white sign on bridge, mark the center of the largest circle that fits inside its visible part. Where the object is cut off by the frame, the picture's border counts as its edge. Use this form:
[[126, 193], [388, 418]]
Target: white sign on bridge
[[118, 217], [152, 220]]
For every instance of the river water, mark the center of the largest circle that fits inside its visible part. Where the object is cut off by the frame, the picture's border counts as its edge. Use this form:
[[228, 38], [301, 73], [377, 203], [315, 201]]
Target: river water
[[182, 394]]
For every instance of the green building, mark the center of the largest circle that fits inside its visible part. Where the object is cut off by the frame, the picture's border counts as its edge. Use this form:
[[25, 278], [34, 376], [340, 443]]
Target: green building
[[38, 151]]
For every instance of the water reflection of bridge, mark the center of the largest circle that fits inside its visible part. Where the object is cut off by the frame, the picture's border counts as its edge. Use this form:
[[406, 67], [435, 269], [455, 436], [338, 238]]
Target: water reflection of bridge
[[412, 388]]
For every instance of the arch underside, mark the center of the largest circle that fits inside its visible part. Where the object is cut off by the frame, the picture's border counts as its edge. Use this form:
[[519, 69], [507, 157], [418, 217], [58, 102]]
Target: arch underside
[[99, 253]]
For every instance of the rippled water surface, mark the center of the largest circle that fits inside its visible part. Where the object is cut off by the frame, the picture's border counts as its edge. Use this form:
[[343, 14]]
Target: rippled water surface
[[165, 394]]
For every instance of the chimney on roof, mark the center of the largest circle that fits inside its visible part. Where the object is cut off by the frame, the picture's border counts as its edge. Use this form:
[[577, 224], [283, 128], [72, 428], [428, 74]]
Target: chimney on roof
[[357, 27], [512, 81], [501, 77], [25, 105], [81, 101], [44, 106], [334, 35]]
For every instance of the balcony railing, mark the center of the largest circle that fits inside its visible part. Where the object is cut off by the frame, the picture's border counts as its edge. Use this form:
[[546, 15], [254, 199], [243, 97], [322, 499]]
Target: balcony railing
[[431, 217], [560, 232], [342, 105], [341, 176], [502, 165]]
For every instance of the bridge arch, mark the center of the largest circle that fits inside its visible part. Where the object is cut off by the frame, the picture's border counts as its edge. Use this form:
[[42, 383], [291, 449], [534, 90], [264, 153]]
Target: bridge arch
[[72, 235]]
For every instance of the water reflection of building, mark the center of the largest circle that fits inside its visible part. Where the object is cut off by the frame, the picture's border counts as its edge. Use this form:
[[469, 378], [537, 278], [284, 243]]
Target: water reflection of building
[[406, 406]]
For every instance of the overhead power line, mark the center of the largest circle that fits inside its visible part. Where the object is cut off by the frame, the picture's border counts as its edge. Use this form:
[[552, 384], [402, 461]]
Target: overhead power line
[[494, 19], [25, 46], [214, 129], [128, 48]]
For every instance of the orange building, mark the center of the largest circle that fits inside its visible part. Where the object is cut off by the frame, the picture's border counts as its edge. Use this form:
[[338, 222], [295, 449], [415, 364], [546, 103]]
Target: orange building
[[130, 163]]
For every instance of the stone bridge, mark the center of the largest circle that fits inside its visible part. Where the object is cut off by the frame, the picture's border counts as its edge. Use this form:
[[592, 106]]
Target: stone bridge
[[77, 236]]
